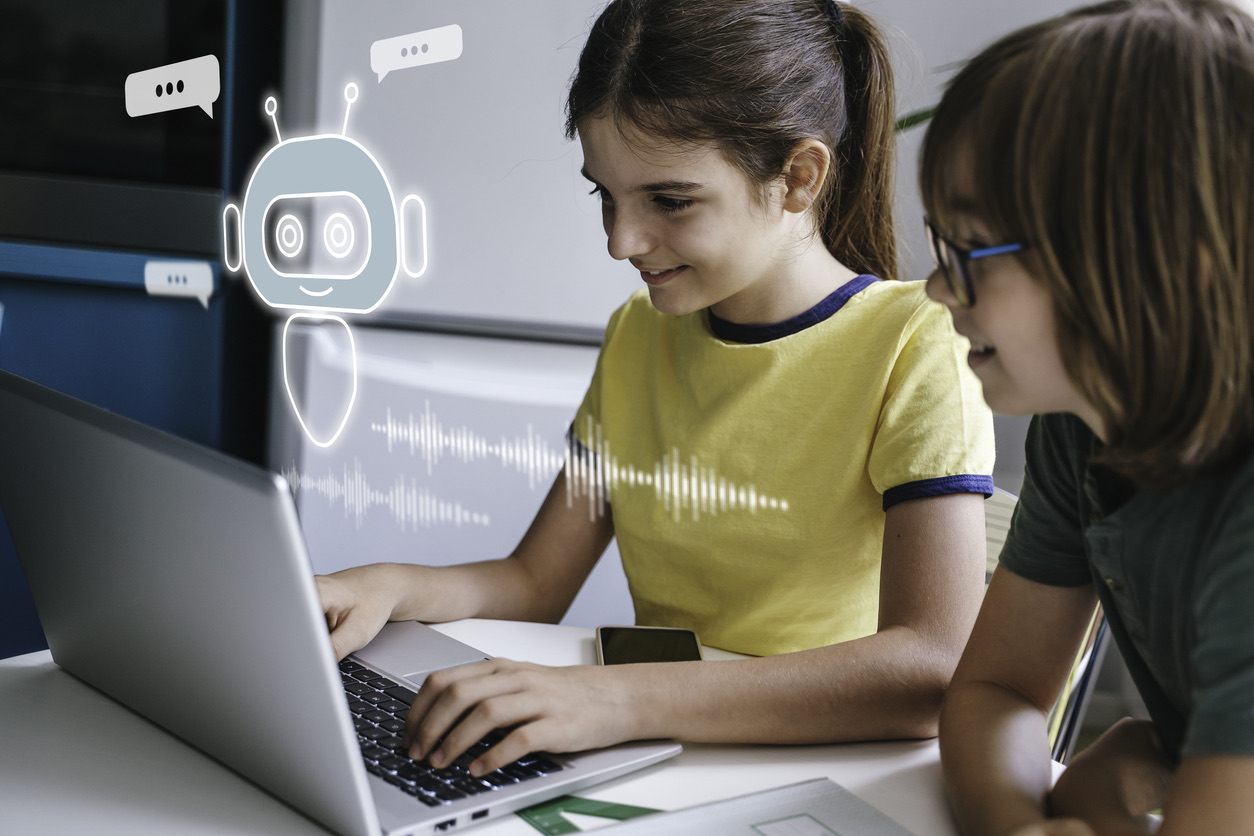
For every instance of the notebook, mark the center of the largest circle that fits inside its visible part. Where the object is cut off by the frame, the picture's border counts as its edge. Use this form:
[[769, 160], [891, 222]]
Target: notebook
[[819, 807], [175, 580]]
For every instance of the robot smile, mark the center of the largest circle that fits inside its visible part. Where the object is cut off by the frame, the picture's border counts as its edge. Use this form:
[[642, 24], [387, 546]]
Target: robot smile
[[309, 292]]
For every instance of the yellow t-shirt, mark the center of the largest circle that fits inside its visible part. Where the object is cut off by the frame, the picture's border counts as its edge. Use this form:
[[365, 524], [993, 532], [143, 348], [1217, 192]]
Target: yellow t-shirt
[[748, 475]]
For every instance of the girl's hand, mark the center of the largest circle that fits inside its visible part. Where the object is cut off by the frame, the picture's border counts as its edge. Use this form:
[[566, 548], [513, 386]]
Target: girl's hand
[[546, 709], [357, 603]]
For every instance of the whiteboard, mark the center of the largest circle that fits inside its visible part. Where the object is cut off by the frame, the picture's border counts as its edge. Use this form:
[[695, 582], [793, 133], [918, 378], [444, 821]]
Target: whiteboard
[[515, 241]]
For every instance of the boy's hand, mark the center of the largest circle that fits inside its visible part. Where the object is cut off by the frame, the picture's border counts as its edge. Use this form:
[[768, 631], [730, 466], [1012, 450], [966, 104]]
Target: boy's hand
[[1116, 782]]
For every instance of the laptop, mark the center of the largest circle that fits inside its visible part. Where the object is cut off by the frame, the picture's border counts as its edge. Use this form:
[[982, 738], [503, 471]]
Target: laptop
[[175, 580]]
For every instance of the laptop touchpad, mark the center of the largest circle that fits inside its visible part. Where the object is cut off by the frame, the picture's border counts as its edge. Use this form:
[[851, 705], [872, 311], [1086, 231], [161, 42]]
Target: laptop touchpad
[[410, 650]]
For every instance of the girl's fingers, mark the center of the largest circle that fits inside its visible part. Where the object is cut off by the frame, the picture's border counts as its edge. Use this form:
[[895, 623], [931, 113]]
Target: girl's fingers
[[445, 697], [536, 736], [490, 714]]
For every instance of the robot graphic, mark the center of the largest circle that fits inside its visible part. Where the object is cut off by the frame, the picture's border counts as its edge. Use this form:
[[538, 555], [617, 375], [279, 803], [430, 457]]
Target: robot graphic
[[363, 246]]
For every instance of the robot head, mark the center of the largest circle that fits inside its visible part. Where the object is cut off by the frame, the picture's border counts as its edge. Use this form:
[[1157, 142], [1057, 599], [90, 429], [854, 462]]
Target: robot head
[[350, 261]]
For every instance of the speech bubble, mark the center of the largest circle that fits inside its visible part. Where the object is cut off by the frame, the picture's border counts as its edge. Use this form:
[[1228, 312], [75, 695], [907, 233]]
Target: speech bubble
[[179, 278], [431, 46], [175, 86]]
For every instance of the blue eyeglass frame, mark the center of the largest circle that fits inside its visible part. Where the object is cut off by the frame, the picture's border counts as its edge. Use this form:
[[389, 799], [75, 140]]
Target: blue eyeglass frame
[[960, 286]]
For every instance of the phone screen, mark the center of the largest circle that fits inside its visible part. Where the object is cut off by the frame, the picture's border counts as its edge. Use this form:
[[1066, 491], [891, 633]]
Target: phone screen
[[628, 645]]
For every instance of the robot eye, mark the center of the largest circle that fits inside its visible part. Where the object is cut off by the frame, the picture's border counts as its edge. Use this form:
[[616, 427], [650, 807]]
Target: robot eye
[[339, 235], [289, 236]]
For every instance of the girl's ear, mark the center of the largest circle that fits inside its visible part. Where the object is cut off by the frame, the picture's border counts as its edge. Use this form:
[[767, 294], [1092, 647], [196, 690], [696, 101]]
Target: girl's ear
[[804, 174]]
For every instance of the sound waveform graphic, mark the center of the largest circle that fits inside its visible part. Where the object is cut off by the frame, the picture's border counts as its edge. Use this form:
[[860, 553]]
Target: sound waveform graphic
[[412, 507], [680, 483], [426, 437]]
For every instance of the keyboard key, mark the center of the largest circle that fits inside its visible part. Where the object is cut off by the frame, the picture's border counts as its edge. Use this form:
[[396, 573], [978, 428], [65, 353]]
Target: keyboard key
[[348, 666], [392, 762], [383, 683], [372, 734], [359, 707], [399, 692], [362, 725], [449, 794], [393, 725], [377, 716], [470, 786], [375, 698], [429, 800], [412, 771], [496, 779], [393, 706], [357, 689], [365, 675], [522, 773], [428, 783], [392, 743], [545, 766], [374, 753]]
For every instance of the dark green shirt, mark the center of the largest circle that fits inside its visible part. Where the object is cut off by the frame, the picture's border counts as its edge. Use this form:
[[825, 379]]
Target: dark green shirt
[[1175, 572]]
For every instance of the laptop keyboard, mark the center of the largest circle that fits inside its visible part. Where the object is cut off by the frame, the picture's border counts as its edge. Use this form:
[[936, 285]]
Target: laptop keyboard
[[379, 706]]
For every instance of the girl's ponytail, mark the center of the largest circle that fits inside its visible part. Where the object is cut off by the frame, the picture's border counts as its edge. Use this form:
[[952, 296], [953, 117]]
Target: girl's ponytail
[[857, 217]]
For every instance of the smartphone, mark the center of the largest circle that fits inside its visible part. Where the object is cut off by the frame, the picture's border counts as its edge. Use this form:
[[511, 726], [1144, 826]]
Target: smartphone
[[626, 645]]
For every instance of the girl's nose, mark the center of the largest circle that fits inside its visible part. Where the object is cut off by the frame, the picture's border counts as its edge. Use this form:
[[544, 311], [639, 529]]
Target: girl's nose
[[626, 238]]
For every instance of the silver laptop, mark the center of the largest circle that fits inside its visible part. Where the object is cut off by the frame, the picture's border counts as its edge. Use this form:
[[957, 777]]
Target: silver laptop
[[175, 580]]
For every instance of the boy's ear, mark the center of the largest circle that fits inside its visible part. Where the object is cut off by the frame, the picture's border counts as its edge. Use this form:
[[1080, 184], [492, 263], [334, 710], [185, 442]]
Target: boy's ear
[[804, 174]]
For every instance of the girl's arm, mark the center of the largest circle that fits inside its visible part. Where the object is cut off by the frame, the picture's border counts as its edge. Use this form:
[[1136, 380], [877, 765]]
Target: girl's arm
[[536, 582], [888, 685], [994, 742]]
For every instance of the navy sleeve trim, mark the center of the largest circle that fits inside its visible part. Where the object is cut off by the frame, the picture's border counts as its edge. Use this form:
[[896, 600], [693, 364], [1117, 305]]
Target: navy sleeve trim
[[734, 332], [940, 486]]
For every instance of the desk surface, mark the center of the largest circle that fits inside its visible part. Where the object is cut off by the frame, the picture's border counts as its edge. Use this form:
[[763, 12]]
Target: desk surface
[[73, 760]]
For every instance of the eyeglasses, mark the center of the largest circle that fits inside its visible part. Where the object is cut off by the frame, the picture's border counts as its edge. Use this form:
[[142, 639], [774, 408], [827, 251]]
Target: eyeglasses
[[953, 262]]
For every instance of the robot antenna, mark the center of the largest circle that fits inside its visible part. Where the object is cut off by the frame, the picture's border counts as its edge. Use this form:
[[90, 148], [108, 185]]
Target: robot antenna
[[272, 107], [350, 96]]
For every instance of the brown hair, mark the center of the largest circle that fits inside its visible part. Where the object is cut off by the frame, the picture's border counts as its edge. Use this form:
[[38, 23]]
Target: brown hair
[[756, 77], [1118, 141]]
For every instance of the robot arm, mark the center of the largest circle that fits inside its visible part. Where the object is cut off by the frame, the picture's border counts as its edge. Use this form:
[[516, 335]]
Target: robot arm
[[231, 228], [419, 231]]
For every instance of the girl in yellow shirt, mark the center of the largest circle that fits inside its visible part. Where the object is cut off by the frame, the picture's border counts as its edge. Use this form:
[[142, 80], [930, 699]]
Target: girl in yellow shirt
[[741, 151]]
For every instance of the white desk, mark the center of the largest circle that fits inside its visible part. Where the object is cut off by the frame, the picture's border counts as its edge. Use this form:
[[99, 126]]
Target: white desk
[[72, 760]]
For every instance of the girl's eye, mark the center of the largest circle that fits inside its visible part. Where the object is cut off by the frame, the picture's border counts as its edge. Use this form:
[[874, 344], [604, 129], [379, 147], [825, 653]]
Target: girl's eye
[[600, 192], [671, 204]]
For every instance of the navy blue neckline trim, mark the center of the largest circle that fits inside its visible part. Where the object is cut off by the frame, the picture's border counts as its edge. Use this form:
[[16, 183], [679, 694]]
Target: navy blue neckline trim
[[734, 332], [940, 486]]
